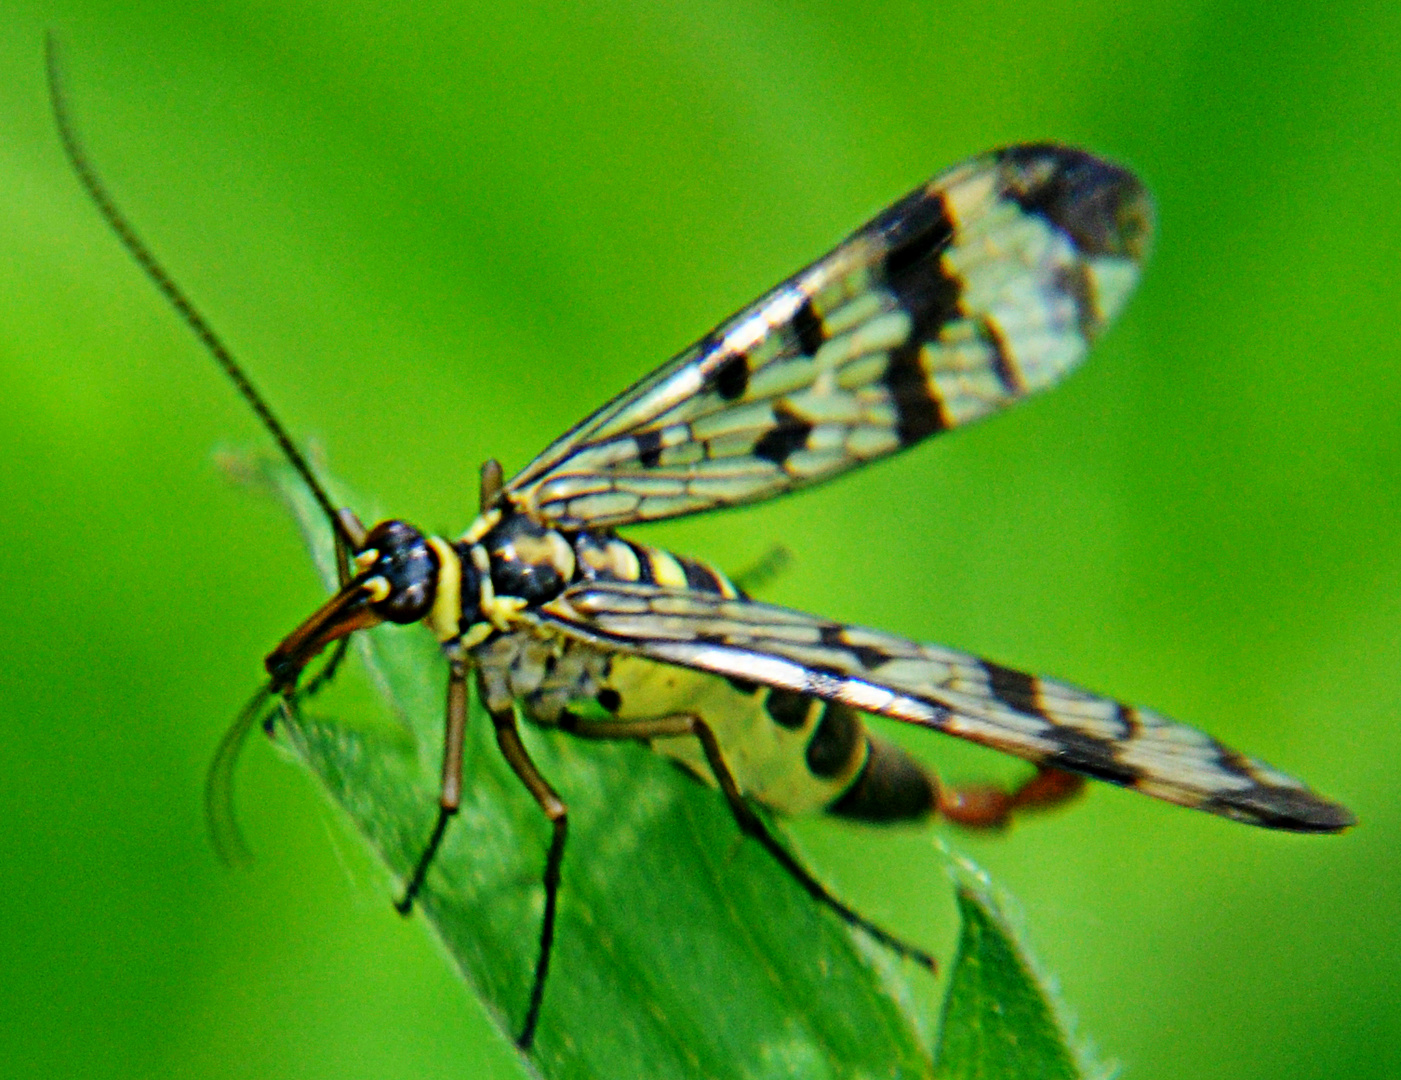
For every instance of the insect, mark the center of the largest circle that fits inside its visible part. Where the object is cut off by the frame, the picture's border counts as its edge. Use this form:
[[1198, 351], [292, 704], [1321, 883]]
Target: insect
[[980, 287]]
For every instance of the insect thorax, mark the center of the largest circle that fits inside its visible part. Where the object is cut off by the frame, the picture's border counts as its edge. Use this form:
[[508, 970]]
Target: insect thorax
[[510, 562]]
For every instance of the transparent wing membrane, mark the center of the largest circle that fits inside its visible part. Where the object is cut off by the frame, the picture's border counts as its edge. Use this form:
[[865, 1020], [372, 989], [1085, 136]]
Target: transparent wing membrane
[[981, 287], [1041, 720]]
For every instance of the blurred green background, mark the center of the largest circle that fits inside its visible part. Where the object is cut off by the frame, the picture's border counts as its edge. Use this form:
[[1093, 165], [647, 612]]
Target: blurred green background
[[438, 232]]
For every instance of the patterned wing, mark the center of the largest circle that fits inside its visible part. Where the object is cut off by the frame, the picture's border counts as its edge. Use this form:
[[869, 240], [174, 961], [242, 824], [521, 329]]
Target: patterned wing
[[982, 286], [1041, 720]]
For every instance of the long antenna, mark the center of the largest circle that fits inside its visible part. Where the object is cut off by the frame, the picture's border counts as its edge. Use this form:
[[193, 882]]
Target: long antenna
[[97, 191]]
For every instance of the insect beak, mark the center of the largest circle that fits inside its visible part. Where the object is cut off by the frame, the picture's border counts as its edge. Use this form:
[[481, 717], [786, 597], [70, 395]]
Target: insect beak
[[349, 610]]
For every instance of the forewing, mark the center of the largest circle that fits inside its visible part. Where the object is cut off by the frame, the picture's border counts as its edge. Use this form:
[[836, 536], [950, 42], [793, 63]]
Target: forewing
[[1041, 720], [984, 285]]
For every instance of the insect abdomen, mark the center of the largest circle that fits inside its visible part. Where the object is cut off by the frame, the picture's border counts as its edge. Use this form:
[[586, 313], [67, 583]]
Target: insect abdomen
[[890, 787], [604, 557], [793, 754]]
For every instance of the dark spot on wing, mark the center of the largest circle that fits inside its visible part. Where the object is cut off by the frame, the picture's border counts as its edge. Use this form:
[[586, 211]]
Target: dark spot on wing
[[915, 229], [744, 686], [834, 636], [1014, 688], [1089, 755], [1233, 760], [1292, 809], [731, 378], [807, 328], [919, 413], [649, 447], [1074, 282], [609, 699], [788, 710], [789, 435], [1003, 364], [1101, 207], [918, 229], [1295, 809]]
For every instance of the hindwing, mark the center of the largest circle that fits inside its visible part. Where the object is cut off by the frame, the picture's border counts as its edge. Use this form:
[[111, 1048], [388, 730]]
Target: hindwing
[[1041, 720]]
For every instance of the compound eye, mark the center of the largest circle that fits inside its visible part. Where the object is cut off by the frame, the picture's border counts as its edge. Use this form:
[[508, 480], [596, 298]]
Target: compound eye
[[397, 555]]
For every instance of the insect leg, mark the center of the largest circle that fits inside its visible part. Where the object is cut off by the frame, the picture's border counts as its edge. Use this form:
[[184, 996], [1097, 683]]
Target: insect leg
[[982, 806], [352, 528], [450, 792], [760, 573], [514, 751], [323, 677], [492, 483], [748, 820]]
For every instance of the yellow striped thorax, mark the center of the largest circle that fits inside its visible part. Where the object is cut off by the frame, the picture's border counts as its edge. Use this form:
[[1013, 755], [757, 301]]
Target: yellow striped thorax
[[509, 562]]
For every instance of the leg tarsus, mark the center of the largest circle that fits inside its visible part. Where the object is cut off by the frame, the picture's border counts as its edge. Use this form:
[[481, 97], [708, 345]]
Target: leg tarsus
[[404, 905], [508, 739], [753, 826], [328, 672], [553, 861]]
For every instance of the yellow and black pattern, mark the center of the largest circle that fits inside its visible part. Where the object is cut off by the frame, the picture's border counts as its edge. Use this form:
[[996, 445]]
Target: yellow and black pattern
[[982, 286], [611, 558], [986, 284], [1040, 720]]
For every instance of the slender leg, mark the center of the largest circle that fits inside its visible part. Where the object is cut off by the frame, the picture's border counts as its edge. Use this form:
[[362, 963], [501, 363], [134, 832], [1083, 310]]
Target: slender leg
[[288, 702], [513, 750], [342, 563], [492, 483], [509, 740], [354, 527], [450, 793], [981, 806], [758, 574], [328, 672], [749, 822]]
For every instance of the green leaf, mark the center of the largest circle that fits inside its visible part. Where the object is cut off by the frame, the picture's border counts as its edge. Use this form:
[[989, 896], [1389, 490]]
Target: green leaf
[[681, 950], [998, 1021]]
